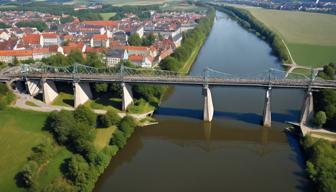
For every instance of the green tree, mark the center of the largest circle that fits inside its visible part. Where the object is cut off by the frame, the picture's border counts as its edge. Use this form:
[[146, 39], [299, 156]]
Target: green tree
[[109, 119], [85, 115], [77, 170], [101, 87], [127, 125], [134, 40], [170, 63], [149, 40], [29, 173], [320, 118], [76, 56], [118, 139]]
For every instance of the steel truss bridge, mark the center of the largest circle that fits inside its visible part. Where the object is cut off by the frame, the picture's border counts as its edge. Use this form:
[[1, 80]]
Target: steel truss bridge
[[82, 73]]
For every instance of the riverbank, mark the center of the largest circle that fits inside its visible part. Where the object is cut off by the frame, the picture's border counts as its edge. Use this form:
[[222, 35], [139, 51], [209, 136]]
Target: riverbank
[[250, 23]]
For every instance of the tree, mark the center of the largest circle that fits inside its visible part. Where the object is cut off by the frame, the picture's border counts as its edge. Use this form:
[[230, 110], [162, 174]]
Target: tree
[[134, 40], [170, 63], [149, 40], [76, 56], [320, 118], [40, 25], [93, 59], [109, 119], [101, 87], [85, 115], [127, 125], [77, 170], [29, 173], [118, 139]]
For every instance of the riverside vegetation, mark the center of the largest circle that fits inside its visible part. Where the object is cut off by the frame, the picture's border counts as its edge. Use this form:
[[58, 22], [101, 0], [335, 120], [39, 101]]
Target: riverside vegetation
[[250, 23]]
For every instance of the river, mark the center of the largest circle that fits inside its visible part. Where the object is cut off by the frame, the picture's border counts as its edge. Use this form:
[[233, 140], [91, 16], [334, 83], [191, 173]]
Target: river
[[233, 153]]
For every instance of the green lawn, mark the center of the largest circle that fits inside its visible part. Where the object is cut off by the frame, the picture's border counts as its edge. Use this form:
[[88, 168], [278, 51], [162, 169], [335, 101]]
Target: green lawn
[[64, 99], [19, 132], [310, 37], [103, 137], [31, 104], [140, 106], [312, 55], [107, 16]]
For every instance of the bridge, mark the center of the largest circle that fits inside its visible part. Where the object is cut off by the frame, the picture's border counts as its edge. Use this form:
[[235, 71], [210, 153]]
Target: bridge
[[41, 79]]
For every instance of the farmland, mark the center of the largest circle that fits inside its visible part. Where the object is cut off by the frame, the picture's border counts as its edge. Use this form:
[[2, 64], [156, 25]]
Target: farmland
[[310, 36]]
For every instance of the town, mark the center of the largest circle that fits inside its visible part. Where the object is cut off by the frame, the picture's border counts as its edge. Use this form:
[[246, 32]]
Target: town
[[29, 36]]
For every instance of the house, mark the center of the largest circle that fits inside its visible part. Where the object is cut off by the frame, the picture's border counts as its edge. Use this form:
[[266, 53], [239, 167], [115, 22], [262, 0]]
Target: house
[[164, 54], [177, 39], [33, 40], [137, 50], [73, 46], [8, 56], [138, 30], [114, 56], [141, 60], [110, 25], [40, 53], [4, 35], [98, 40], [50, 39]]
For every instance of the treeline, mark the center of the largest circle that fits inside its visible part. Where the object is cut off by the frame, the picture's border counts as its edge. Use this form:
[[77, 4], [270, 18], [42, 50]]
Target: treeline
[[6, 96], [76, 131], [40, 25], [143, 12], [321, 163], [3, 25], [250, 23], [192, 41], [325, 99]]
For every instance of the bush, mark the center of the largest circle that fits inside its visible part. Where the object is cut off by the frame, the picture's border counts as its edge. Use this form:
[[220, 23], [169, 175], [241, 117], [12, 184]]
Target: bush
[[6, 96], [118, 139], [127, 125], [85, 115], [109, 119], [28, 174], [320, 118], [42, 152]]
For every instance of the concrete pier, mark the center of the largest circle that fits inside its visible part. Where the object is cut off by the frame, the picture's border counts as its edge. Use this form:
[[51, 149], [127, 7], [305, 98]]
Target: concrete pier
[[82, 93], [307, 110], [267, 118], [33, 87], [208, 109], [127, 97], [49, 91]]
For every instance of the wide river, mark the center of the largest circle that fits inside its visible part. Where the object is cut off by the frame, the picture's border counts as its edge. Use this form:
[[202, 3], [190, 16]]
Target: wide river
[[234, 152]]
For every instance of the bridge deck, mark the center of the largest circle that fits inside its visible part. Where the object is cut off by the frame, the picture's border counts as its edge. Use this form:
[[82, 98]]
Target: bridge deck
[[181, 80]]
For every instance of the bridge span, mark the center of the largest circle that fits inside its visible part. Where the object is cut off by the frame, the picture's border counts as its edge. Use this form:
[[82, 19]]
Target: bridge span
[[42, 78]]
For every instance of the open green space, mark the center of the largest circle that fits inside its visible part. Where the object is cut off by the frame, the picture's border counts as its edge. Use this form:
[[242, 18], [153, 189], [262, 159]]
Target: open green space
[[19, 131], [181, 6], [310, 36], [107, 16], [103, 137], [64, 99], [140, 106], [105, 103]]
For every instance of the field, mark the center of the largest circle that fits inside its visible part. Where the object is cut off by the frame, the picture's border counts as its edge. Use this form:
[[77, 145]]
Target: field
[[103, 137], [107, 16], [310, 36], [19, 132]]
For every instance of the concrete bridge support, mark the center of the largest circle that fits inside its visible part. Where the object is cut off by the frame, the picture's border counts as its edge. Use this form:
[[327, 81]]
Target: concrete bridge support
[[307, 110], [127, 96], [208, 109], [33, 87], [267, 119], [82, 93], [49, 91]]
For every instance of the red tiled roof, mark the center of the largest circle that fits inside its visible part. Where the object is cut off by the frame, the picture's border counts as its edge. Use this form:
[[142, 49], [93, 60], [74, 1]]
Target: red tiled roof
[[31, 38], [41, 50], [99, 37], [136, 48], [49, 35], [16, 53], [102, 23], [136, 58]]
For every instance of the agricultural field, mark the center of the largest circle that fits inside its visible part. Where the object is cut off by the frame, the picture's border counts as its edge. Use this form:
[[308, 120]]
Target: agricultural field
[[180, 6], [310, 37]]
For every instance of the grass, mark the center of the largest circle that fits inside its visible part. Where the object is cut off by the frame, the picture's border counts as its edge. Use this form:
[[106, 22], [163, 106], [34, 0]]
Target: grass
[[31, 104], [181, 6], [103, 136], [64, 99], [310, 36], [140, 106], [19, 131], [52, 170], [107, 16], [188, 64], [305, 72], [105, 103]]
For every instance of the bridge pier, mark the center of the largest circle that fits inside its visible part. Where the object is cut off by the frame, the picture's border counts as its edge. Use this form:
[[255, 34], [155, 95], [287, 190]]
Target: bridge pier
[[267, 118], [307, 110], [127, 97], [208, 109], [49, 91], [82, 93], [33, 87]]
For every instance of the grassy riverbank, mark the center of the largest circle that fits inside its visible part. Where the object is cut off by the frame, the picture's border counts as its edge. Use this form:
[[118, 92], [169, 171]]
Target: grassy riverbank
[[310, 37]]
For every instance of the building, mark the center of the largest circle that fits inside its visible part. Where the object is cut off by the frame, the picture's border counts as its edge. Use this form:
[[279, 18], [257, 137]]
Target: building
[[98, 40], [114, 56], [33, 40], [141, 60], [8, 56], [40, 53], [50, 39], [137, 50]]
